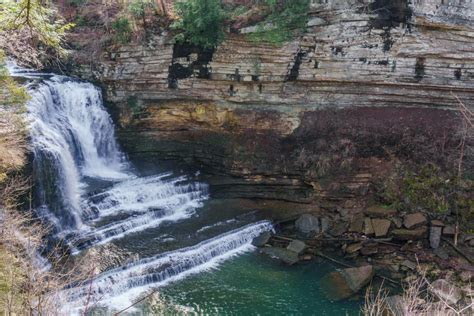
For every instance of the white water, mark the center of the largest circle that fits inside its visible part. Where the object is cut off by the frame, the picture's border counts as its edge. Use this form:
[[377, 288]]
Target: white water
[[148, 202], [73, 141], [118, 288]]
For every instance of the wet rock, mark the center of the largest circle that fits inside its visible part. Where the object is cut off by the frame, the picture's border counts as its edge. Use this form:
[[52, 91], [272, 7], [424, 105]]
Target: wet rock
[[352, 248], [261, 240], [357, 224], [307, 224], [381, 227], [345, 283], [287, 256], [435, 236], [368, 227], [410, 234], [296, 246], [446, 291], [414, 220], [379, 211]]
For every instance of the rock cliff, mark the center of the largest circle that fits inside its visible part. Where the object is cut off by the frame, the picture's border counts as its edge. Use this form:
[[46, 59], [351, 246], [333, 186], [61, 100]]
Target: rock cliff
[[370, 83]]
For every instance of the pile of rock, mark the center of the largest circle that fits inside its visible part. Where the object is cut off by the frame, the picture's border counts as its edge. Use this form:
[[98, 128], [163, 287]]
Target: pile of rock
[[377, 239]]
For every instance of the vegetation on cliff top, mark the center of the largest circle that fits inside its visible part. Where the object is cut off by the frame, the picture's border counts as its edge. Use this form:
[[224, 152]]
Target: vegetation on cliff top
[[200, 22], [32, 31]]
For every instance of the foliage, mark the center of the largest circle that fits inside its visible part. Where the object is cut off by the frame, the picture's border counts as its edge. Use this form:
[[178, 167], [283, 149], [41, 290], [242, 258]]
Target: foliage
[[428, 189], [200, 22], [123, 30], [10, 92], [39, 19], [77, 3], [138, 7], [287, 17], [12, 98]]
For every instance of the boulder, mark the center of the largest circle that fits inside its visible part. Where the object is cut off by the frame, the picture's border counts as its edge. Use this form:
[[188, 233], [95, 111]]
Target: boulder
[[435, 236], [357, 224], [449, 230], [345, 283], [414, 220], [379, 211], [446, 291], [287, 256], [352, 248], [381, 227], [368, 227], [307, 224], [296, 246], [437, 222], [410, 234], [261, 240]]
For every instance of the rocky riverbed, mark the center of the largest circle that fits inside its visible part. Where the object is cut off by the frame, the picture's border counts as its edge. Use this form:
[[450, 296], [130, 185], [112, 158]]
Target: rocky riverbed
[[378, 243]]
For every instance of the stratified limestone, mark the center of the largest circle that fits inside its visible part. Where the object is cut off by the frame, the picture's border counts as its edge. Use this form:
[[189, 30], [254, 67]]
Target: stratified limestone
[[352, 53]]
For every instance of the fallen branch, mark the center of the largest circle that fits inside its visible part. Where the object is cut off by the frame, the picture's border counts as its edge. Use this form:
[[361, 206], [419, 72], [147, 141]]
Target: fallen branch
[[458, 250]]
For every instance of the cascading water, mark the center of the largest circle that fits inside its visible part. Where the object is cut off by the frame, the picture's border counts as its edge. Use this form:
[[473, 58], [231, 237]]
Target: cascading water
[[73, 142], [117, 286], [72, 137]]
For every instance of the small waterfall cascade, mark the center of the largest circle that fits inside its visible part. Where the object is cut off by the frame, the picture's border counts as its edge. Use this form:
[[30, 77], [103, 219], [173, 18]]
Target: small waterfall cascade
[[116, 287]]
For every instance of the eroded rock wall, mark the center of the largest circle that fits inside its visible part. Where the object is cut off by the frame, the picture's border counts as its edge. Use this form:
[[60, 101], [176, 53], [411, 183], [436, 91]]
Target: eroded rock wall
[[368, 84]]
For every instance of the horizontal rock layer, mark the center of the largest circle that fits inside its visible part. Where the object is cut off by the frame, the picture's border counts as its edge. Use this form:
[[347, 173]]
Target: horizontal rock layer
[[368, 83]]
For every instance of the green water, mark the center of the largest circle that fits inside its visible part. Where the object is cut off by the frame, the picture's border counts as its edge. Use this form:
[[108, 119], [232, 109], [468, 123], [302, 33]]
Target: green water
[[253, 284]]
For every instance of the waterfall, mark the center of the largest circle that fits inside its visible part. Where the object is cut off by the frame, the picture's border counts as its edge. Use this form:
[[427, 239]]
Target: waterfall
[[115, 288], [72, 137], [73, 140], [73, 143]]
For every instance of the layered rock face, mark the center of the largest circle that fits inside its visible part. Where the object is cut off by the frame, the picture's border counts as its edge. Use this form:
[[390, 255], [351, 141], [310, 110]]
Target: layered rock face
[[368, 84]]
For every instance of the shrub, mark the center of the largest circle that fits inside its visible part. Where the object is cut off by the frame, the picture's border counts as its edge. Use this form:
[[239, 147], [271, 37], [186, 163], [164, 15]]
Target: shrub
[[429, 189], [201, 22], [287, 18], [123, 30], [138, 8]]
